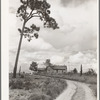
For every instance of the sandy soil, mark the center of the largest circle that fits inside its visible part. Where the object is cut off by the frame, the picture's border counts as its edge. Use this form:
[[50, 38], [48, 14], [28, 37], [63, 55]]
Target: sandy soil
[[77, 91]]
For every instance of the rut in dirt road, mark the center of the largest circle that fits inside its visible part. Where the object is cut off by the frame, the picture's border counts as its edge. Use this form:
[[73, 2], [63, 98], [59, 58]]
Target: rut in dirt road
[[68, 92], [79, 94], [76, 91]]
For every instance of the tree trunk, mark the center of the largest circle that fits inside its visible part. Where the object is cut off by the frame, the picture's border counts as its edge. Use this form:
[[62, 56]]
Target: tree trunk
[[18, 51], [66, 69], [20, 71], [81, 71]]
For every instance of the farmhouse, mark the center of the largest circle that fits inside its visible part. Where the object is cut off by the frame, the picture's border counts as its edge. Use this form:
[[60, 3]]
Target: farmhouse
[[52, 68], [56, 69]]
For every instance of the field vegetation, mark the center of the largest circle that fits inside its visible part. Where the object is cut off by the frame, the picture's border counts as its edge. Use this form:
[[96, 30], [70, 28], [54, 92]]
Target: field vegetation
[[46, 86], [91, 80], [33, 87]]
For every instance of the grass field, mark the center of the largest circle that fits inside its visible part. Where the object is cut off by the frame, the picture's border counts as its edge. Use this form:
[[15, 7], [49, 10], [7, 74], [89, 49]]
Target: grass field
[[94, 88], [33, 87], [45, 86]]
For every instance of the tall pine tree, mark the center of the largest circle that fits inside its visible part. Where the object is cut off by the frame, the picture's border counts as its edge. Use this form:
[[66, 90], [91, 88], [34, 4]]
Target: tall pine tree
[[28, 10]]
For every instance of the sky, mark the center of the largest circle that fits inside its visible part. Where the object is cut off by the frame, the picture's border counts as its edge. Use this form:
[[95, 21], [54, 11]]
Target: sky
[[73, 44]]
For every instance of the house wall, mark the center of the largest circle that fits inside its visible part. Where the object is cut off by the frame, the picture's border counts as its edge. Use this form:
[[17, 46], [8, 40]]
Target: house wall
[[50, 70], [65, 71], [61, 71]]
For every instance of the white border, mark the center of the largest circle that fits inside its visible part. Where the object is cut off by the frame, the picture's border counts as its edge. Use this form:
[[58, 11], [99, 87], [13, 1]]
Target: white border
[[4, 50]]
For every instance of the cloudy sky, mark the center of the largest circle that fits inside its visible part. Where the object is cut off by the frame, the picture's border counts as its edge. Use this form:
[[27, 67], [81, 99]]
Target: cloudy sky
[[73, 44]]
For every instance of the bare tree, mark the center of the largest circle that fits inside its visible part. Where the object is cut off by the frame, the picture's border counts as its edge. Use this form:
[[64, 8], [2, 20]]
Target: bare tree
[[81, 71], [20, 71], [28, 10]]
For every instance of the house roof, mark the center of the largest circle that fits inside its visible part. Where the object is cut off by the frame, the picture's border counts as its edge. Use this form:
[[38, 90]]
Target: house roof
[[54, 67], [57, 67]]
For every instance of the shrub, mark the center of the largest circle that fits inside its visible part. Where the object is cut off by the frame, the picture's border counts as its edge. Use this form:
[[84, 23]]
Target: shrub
[[16, 84], [27, 85], [49, 87], [75, 71], [90, 72], [94, 88], [11, 82], [39, 96], [53, 87], [22, 76], [23, 84]]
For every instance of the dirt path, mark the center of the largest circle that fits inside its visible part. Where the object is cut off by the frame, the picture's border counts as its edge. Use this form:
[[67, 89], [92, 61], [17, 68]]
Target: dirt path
[[76, 91]]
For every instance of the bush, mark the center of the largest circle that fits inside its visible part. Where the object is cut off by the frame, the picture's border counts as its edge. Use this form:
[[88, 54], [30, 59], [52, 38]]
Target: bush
[[39, 97], [53, 87], [16, 84], [90, 72], [94, 88], [27, 85], [22, 84], [11, 83], [22, 76], [49, 87]]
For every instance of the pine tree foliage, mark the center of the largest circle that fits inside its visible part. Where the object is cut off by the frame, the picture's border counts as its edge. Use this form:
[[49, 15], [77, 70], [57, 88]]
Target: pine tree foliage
[[35, 8]]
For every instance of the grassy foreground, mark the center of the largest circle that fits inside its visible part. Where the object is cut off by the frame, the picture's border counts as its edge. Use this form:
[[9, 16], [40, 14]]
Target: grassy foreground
[[33, 87], [89, 79]]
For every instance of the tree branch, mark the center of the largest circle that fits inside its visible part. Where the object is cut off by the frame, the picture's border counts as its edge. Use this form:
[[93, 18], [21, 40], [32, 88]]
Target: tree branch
[[30, 14], [36, 16], [33, 15]]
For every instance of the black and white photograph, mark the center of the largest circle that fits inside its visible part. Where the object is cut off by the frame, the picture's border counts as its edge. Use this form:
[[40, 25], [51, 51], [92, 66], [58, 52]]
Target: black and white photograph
[[53, 49]]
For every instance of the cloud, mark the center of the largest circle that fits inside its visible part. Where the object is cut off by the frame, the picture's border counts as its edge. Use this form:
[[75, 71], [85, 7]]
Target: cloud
[[78, 26], [55, 59], [75, 41], [36, 44], [58, 57], [82, 58], [73, 2]]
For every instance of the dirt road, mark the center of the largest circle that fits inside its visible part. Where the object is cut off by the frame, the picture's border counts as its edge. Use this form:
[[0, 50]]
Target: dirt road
[[76, 91]]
